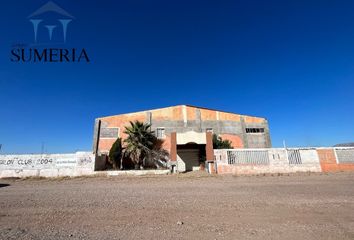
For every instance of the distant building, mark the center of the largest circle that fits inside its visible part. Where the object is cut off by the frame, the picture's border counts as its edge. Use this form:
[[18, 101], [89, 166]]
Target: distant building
[[344, 145], [187, 131]]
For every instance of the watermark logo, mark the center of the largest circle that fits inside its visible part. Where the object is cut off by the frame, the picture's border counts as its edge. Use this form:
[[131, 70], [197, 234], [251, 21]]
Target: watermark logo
[[51, 25], [38, 21]]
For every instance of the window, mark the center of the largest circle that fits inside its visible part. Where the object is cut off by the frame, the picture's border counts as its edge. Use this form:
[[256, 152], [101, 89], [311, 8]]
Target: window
[[109, 132], [160, 132], [209, 130], [254, 130]]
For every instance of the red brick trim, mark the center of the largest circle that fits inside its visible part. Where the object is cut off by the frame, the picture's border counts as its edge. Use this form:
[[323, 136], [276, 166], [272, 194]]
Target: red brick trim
[[209, 147], [173, 152]]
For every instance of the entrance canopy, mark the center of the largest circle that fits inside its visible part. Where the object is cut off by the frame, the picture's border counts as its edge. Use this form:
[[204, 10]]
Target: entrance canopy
[[191, 137]]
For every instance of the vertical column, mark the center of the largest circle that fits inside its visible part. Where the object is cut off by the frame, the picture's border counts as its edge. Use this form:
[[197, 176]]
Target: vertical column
[[184, 112], [149, 117], [244, 134], [210, 152], [209, 147], [267, 135], [173, 151], [96, 136], [198, 120]]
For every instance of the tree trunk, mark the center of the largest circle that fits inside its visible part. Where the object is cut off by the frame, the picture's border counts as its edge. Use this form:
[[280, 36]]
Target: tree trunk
[[137, 166], [121, 163]]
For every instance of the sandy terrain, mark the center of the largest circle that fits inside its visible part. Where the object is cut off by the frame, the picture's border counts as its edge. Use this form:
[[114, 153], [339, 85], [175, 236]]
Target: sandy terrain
[[191, 206]]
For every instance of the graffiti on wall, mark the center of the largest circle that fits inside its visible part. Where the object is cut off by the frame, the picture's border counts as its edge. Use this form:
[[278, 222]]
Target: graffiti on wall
[[45, 161], [23, 162], [85, 159]]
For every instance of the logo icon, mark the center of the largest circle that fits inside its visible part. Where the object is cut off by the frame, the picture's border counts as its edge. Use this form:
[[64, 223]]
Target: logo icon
[[60, 24], [50, 28]]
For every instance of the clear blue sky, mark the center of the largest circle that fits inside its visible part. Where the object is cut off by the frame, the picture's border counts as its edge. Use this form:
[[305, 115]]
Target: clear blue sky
[[289, 61]]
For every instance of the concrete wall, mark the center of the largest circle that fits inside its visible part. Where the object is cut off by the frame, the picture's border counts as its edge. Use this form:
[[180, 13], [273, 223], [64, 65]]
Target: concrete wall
[[275, 161], [181, 166], [47, 165], [329, 160], [280, 160], [182, 119]]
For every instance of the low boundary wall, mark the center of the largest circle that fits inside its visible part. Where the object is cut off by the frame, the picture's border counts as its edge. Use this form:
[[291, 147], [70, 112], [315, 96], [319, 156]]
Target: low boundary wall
[[226, 161], [336, 159], [281, 160], [47, 165]]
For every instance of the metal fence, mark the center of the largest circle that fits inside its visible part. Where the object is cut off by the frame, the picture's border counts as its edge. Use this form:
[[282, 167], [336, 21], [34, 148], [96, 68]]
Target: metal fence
[[275, 160], [294, 156], [290, 156], [248, 157]]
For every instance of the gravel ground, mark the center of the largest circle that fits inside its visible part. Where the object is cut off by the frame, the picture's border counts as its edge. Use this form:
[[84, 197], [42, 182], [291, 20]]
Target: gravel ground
[[188, 206]]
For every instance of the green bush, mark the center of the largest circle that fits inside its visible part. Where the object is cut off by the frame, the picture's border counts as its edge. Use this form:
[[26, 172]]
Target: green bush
[[116, 153], [219, 143]]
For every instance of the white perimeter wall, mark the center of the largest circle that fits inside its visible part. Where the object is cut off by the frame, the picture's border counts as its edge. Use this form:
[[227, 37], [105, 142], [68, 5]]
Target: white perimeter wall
[[47, 165], [278, 162]]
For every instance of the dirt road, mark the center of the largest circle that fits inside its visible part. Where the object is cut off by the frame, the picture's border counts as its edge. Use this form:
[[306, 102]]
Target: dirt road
[[190, 206]]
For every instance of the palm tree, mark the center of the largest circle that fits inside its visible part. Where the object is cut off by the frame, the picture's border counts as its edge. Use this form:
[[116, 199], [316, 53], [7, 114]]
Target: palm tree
[[139, 143]]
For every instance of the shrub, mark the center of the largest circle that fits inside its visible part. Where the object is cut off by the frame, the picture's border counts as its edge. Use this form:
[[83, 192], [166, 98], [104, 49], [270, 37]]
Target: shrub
[[219, 143], [116, 153]]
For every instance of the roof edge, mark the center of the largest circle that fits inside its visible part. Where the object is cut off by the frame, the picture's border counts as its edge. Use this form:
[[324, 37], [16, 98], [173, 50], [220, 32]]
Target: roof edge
[[180, 105]]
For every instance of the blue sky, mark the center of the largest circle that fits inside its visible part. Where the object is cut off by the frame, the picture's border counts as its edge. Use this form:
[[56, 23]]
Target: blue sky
[[289, 61]]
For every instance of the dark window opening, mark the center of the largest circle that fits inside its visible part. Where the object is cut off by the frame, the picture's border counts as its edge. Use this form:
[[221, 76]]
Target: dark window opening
[[254, 130]]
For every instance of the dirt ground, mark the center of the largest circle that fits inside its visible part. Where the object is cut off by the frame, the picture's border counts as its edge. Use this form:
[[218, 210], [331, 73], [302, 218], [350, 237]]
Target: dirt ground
[[190, 206]]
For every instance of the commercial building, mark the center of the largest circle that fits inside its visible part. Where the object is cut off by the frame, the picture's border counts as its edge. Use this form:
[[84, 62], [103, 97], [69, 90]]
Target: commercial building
[[187, 132]]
